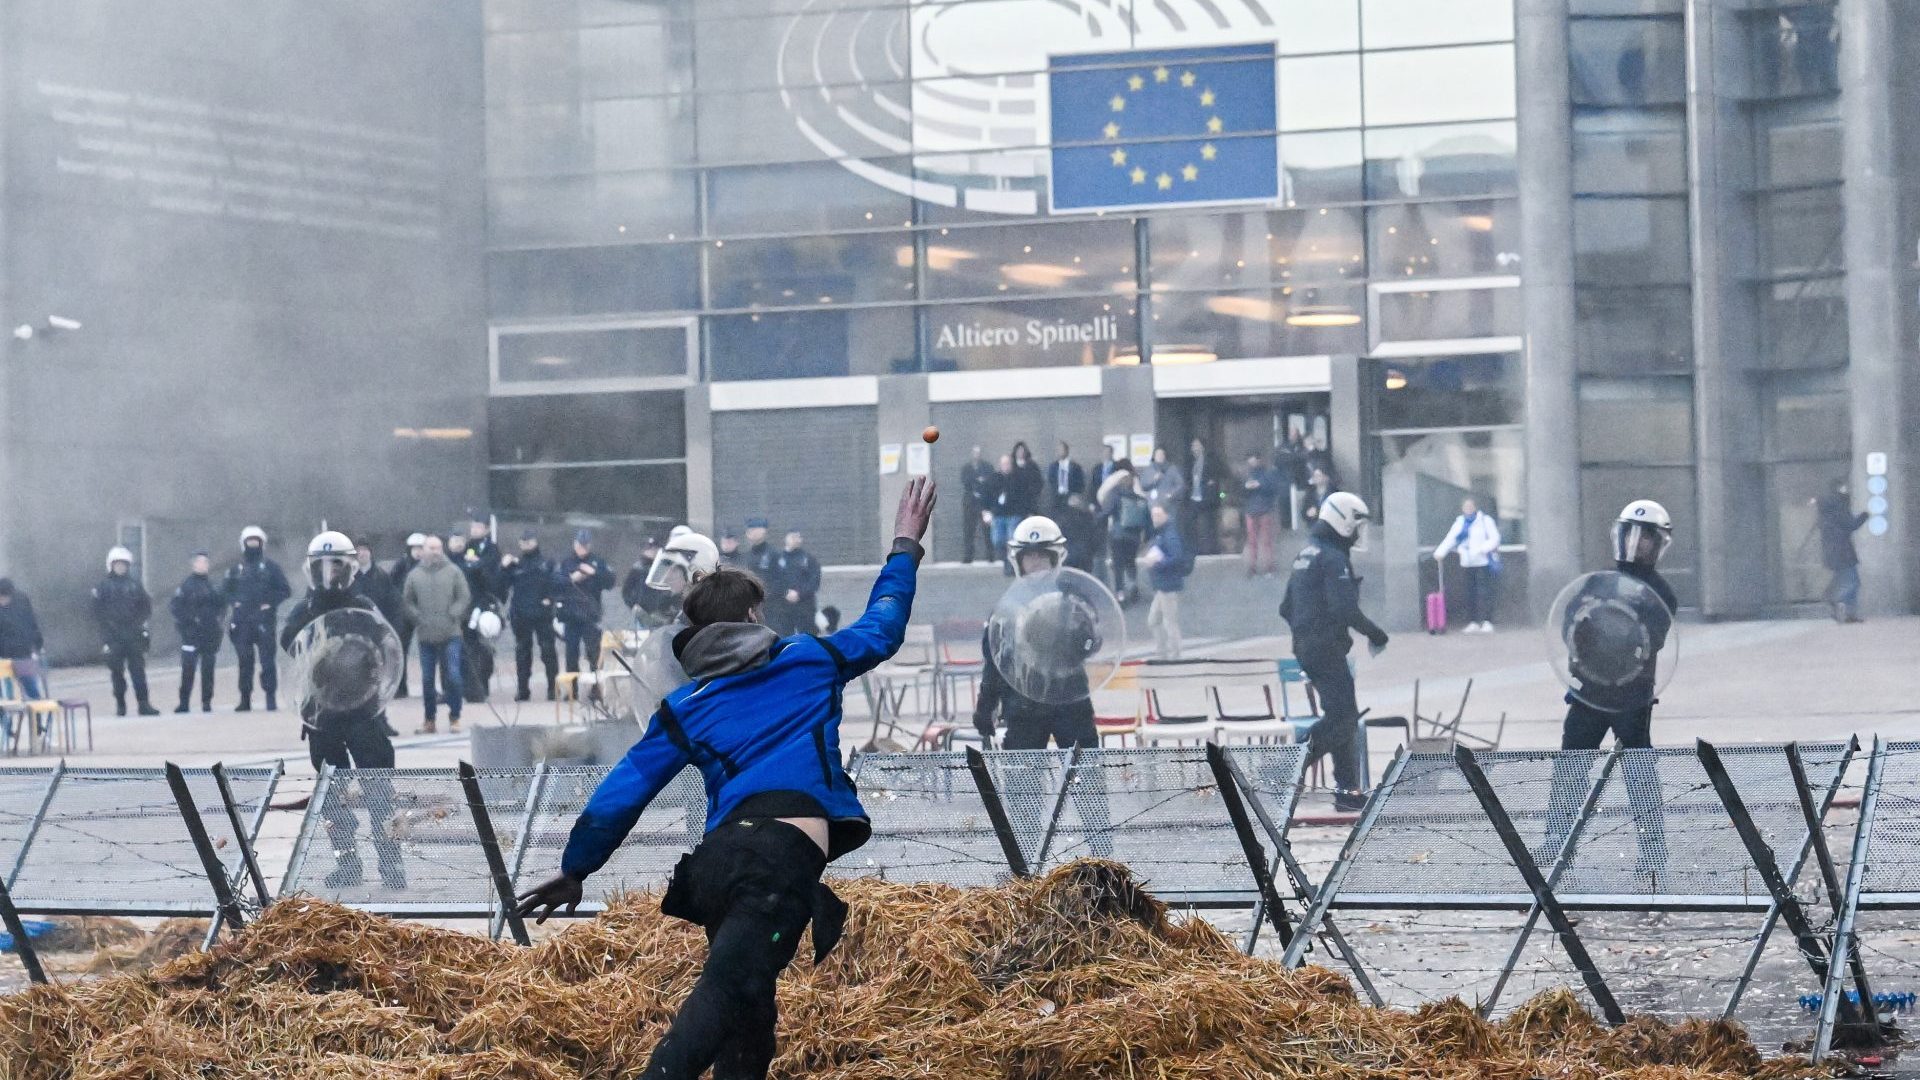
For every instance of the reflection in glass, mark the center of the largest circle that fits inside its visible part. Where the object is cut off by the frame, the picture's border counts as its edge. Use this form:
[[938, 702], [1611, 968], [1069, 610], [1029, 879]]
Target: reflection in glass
[[798, 198], [550, 428], [1031, 333], [1323, 167], [1630, 330], [1450, 159], [1315, 26], [1473, 238], [1075, 256], [1796, 50], [1809, 417], [1798, 143], [657, 492], [1449, 391], [1393, 24], [606, 208], [622, 352], [1437, 85], [807, 344], [593, 280], [1489, 464], [1320, 92], [1629, 152], [1636, 421], [1630, 241], [1804, 323], [1289, 321], [1447, 314], [1800, 231], [804, 271], [1628, 61]]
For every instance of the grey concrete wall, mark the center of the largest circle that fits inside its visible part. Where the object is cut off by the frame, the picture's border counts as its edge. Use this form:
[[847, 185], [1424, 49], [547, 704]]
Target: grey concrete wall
[[268, 218], [903, 415]]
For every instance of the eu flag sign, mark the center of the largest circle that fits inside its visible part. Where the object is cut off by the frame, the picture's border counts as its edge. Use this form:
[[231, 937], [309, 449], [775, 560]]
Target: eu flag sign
[[1163, 127]]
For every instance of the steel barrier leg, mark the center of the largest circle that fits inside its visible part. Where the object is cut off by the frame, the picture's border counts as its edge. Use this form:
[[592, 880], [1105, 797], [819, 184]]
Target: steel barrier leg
[[226, 904], [1561, 860], [240, 834], [997, 813], [534, 792], [490, 847], [1323, 897], [39, 815], [1549, 906], [1250, 847], [28, 958], [1829, 875], [1850, 904], [1067, 773]]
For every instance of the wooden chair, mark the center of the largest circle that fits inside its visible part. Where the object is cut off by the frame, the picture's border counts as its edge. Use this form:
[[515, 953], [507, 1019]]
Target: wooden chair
[[43, 721]]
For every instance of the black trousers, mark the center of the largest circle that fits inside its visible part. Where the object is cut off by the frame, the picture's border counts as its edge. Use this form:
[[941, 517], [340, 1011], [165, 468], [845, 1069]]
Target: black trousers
[[1123, 552], [127, 662], [251, 644], [406, 650], [1585, 728], [476, 658], [752, 885], [198, 658], [360, 742], [1337, 732], [583, 636], [526, 631], [1066, 726], [974, 532]]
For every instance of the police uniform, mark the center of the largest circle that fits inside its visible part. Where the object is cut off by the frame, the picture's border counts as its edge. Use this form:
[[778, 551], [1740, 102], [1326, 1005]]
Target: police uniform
[[256, 587], [198, 612], [121, 608], [1322, 608], [530, 587]]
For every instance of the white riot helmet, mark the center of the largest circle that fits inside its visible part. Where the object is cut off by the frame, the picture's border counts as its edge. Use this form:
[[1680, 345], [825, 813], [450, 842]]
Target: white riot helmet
[[117, 555], [687, 557], [331, 562], [1639, 519], [678, 531], [253, 532], [486, 622], [1036, 534], [415, 540], [1346, 512]]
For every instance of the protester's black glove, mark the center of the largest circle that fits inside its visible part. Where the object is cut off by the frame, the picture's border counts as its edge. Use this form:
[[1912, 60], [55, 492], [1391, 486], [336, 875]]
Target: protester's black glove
[[559, 891], [983, 723]]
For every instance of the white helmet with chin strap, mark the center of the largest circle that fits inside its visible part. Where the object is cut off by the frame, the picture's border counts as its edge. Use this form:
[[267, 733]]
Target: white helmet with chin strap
[[1036, 534], [253, 532], [1640, 520], [687, 557], [1346, 513], [118, 554], [331, 562]]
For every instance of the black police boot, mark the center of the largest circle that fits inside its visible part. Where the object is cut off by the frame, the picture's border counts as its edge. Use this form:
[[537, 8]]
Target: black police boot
[[1349, 802], [346, 871], [147, 709], [184, 705], [246, 704], [272, 706], [523, 694], [119, 706]]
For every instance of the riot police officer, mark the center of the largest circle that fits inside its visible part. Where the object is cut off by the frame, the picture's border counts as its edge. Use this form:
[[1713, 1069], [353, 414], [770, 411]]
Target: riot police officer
[[255, 588], [1322, 609], [121, 608], [529, 581], [581, 578], [199, 611]]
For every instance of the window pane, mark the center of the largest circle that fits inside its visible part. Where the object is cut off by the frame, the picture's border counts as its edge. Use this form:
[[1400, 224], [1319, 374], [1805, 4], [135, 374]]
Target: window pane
[[1080, 256], [536, 428], [1630, 241], [1800, 231], [1628, 330], [797, 198], [1448, 314], [1319, 247], [1389, 24], [1253, 324], [1030, 333], [1320, 92], [1796, 145], [1454, 159], [655, 491], [1489, 465], [1435, 85], [1320, 168], [1201, 253], [1464, 239], [803, 344], [645, 58], [633, 352], [1617, 152], [1628, 61], [1796, 50], [1805, 323], [588, 281], [656, 205], [806, 270], [1449, 391], [1316, 26], [1808, 422], [1636, 421]]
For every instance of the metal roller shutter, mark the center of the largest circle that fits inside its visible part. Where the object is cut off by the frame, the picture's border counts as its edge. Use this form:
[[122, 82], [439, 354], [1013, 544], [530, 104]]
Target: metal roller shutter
[[816, 470]]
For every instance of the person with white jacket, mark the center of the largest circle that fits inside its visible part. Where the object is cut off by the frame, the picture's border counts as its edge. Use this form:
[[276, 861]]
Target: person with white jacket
[[1476, 538]]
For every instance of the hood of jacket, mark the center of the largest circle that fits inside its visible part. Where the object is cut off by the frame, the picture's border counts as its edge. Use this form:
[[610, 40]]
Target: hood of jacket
[[723, 649]]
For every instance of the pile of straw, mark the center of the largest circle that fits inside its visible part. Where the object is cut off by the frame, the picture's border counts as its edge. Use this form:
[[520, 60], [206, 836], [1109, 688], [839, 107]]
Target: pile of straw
[[1078, 974]]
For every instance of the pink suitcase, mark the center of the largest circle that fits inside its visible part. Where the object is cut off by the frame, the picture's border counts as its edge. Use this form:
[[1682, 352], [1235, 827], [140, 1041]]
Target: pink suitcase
[[1437, 608]]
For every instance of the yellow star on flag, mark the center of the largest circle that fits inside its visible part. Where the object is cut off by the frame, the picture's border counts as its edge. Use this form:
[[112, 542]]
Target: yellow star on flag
[[1213, 125], [1118, 103], [1186, 79], [1163, 181], [1119, 157], [1190, 172], [1160, 74], [1135, 82], [1139, 175], [1206, 97], [1207, 151], [1112, 130]]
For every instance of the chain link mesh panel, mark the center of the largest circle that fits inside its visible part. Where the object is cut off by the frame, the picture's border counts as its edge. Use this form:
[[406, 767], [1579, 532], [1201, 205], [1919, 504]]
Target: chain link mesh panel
[[403, 841], [21, 792], [1892, 874], [669, 828], [929, 823], [113, 841]]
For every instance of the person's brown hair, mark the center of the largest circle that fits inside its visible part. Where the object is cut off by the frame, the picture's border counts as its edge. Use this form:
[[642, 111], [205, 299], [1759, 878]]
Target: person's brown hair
[[726, 595]]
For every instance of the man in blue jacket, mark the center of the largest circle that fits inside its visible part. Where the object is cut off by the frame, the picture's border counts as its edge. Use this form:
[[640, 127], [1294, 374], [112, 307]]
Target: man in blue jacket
[[761, 721]]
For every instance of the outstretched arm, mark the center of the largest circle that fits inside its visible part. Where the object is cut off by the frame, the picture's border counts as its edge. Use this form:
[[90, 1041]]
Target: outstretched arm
[[880, 630], [620, 799]]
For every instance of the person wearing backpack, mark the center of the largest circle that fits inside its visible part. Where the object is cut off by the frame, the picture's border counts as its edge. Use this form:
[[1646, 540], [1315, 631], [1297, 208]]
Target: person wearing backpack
[[1169, 561], [1124, 506]]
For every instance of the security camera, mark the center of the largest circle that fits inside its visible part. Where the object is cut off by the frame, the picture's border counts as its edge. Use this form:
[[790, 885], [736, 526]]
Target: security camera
[[23, 332], [61, 322]]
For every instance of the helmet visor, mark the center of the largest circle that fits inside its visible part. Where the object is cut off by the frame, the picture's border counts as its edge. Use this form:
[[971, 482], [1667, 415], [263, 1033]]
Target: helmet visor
[[670, 572], [1638, 542], [331, 571]]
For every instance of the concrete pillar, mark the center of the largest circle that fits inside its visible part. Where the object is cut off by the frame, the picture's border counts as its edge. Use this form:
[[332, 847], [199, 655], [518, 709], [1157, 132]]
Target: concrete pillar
[[9, 479], [1349, 427], [903, 414], [1879, 245], [699, 414], [1546, 293], [1729, 484]]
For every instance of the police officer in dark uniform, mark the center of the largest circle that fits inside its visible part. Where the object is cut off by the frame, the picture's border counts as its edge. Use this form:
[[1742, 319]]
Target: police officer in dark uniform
[[582, 577], [1322, 608], [479, 558], [793, 588], [348, 738], [199, 611], [255, 588], [121, 608], [529, 579]]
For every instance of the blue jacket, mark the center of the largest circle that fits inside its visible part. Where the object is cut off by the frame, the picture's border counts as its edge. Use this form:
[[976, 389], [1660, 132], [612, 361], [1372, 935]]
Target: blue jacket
[[772, 725], [1170, 573]]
